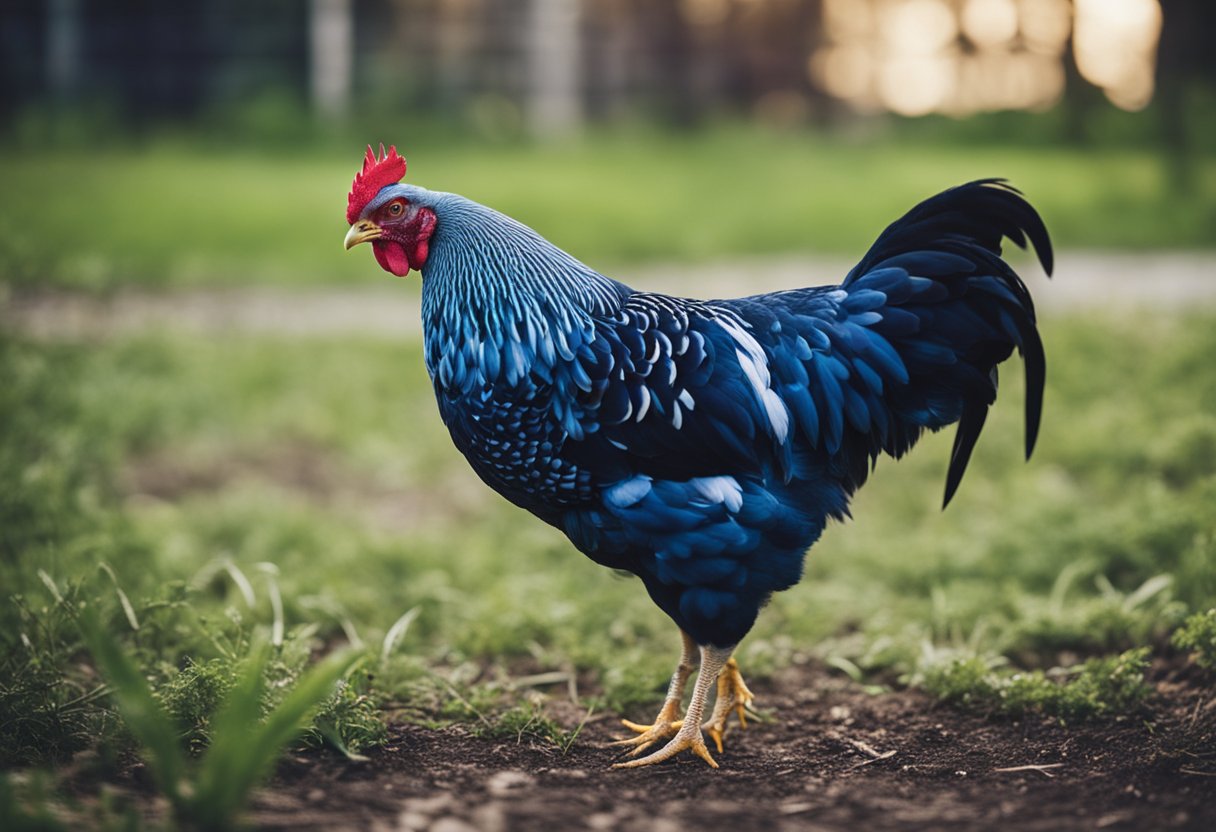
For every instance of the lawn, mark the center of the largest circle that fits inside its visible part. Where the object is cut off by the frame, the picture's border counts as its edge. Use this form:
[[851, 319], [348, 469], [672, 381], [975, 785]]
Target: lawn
[[175, 213], [195, 490]]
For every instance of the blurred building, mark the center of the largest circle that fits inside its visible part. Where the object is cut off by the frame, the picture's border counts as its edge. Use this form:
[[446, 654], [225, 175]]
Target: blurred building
[[551, 65]]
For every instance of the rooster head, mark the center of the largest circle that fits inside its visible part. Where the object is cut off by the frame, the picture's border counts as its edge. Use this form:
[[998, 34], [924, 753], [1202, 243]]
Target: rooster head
[[380, 211]]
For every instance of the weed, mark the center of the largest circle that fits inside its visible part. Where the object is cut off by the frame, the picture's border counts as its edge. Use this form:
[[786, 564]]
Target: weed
[[1102, 686], [1198, 635], [350, 720], [528, 720], [243, 746], [520, 720], [193, 694]]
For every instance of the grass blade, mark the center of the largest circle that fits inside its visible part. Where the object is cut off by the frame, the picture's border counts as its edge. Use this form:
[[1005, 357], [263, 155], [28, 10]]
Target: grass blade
[[222, 781], [242, 583], [276, 602], [397, 632], [244, 749], [335, 611], [1147, 590], [143, 715], [49, 583], [127, 609]]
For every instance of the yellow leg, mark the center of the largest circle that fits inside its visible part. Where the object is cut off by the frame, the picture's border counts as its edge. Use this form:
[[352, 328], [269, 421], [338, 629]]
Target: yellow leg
[[733, 695], [689, 738], [666, 724]]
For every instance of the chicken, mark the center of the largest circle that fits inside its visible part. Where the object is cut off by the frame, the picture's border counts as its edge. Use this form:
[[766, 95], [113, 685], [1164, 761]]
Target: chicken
[[703, 445]]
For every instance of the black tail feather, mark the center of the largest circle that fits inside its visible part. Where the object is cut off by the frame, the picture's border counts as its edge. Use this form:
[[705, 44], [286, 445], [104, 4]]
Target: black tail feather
[[982, 211], [969, 427], [1036, 373], [967, 224]]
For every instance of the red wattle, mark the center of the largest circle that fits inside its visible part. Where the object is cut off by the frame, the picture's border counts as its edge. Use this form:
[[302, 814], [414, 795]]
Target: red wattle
[[391, 256], [421, 249]]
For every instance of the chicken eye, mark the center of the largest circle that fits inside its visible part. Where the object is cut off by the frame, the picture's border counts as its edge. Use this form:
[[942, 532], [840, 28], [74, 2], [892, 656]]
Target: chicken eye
[[395, 209]]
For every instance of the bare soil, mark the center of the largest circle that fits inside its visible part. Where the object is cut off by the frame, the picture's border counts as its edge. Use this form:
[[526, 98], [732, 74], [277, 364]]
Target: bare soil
[[832, 757]]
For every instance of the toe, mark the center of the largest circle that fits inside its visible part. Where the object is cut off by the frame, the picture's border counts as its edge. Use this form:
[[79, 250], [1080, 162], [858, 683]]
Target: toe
[[668, 728], [701, 751], [681, 742]]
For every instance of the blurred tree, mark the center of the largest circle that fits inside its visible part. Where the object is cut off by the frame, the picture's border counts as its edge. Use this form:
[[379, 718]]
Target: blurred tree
[[671, 46], [1186, 63], [63, 58], [546, 65], [555, 54], [331, 27], [1080, 100]]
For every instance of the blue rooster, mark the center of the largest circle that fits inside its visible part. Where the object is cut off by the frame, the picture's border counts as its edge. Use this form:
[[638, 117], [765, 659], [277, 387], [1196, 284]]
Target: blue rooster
[[703, 445]]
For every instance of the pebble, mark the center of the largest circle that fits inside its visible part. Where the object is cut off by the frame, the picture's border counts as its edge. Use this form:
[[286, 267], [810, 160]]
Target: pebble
[[504, 782]]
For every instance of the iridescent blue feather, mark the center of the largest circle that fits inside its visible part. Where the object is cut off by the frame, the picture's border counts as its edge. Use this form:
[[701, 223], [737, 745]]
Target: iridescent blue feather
[[703, 445]]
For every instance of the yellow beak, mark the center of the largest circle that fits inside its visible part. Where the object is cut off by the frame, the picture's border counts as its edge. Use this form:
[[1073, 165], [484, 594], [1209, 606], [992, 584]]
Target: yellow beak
[[362, 232]]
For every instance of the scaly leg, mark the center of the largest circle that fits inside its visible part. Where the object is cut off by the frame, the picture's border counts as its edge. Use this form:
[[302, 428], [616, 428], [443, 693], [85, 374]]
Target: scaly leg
[[666, 723], [689, 738], [732, 695]]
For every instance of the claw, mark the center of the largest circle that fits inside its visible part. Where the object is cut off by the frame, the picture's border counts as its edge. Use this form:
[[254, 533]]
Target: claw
[[642, 729], [683, 741], [663, 728], [648, 735], [733, 695]]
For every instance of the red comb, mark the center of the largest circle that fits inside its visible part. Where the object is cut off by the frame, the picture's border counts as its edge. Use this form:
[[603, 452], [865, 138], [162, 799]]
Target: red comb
[[376, 173]]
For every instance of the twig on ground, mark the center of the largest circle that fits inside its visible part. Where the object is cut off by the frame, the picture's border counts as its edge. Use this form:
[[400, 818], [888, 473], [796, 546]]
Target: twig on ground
[[1197, 772], [884, 756], [864, 747], [1041, 769], [1200, 706]]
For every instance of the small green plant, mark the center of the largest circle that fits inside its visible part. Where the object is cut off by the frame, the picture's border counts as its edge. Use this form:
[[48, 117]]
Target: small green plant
[[529, 720], [195, 693], [524, 719], [1103, 686], [1198, 636], [244, 745], [350, 719]]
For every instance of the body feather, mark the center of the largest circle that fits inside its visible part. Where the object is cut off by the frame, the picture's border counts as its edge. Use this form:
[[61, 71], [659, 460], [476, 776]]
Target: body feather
[[703, 445]]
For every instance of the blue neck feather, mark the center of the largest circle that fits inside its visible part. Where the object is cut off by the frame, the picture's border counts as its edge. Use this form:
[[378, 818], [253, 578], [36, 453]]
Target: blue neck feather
[[491, 283]]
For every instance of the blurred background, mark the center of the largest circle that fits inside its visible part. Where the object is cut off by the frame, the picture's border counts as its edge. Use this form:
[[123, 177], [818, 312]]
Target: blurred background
[[547, 68], [564, 112], [213, 418]]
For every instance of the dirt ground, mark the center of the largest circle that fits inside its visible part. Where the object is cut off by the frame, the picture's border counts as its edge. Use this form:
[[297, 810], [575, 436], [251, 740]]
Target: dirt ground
[[832, 757]]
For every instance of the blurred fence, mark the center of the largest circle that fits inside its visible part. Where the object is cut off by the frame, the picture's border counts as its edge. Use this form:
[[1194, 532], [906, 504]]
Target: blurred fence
[[548, 66]]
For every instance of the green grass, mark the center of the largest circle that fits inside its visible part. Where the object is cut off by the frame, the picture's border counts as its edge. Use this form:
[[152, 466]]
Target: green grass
[[1198, 636], [173, 213], [1099, 687], [203, 495], [244, 744]]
